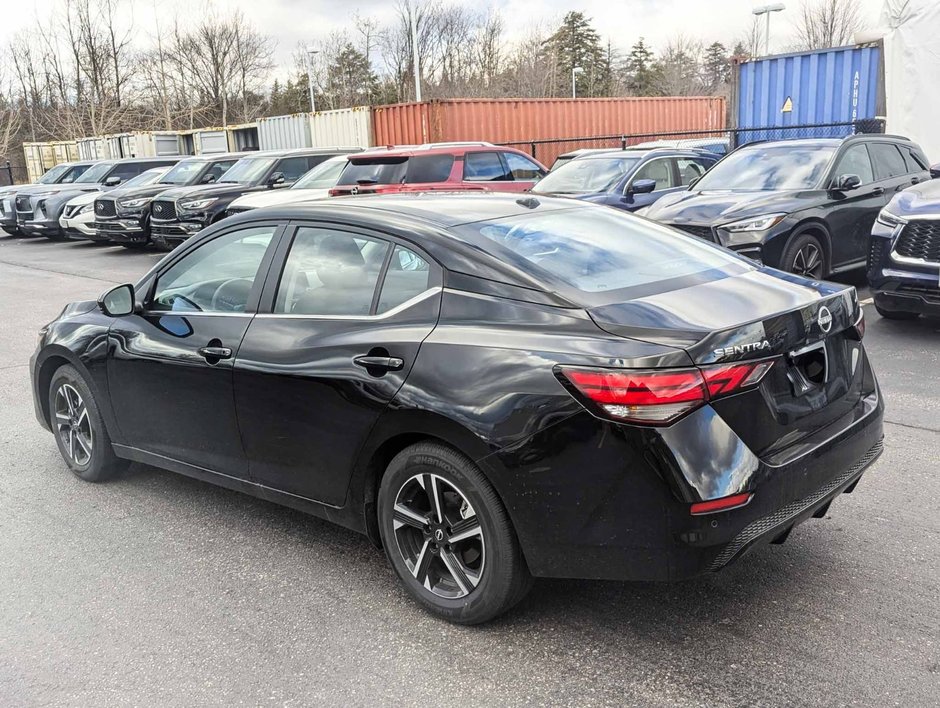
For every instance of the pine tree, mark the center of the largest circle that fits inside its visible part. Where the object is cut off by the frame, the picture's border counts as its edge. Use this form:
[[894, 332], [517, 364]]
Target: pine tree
[[642, 70], [716, 67], [577, 44]]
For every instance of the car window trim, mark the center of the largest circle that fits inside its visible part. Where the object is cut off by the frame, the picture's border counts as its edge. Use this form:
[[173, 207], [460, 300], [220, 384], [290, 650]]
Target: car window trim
[[436, 289], [279, 262], [149, 281]]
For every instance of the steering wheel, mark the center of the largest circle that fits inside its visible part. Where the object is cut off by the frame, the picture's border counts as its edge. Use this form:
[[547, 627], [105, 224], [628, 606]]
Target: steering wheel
[[231, 295]]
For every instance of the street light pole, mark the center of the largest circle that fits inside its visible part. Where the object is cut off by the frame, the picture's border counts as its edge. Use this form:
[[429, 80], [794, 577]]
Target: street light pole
[[310, 53], [767, 10], [575, 70], [414, 54]]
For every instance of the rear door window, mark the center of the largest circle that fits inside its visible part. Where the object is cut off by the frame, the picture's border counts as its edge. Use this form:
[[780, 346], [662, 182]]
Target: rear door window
[[522, 168], [855, 161], [690, 169], [429, 168], [408, 276], [484, 167], [888, 160], [127, 170], [330, 272]]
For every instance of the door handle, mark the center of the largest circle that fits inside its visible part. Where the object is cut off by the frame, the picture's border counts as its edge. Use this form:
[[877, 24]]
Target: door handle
[[915, 180], [878, 191], [214, 353], [383, 363]]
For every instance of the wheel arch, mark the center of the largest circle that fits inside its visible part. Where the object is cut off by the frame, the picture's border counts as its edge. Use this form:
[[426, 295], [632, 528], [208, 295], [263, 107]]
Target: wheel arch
[[394, 433], [53, 359], [813, 227]]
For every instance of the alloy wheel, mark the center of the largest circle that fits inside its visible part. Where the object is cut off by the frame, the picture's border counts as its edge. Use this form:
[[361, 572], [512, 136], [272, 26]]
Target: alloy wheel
[[439, 536], [808, 262], [73, 424]]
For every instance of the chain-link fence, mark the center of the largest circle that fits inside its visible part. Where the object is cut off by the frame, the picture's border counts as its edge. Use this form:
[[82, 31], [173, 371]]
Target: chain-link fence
[[726, 139]]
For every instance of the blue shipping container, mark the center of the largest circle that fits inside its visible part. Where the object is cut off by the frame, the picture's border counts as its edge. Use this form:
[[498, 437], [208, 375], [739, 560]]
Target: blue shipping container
[[824, 86]]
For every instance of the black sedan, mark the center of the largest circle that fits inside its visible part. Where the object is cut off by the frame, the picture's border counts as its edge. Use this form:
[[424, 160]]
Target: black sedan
[[804, 206], [491, 387]]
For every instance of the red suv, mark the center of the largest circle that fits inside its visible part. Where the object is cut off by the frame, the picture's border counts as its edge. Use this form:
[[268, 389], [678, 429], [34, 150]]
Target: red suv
[[448, 166]]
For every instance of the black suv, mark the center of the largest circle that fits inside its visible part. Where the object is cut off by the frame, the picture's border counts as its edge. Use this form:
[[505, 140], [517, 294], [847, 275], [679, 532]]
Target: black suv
[[904, 257], [124, 216], [38, 209], [804, 206], [63, 173], [180, 213]]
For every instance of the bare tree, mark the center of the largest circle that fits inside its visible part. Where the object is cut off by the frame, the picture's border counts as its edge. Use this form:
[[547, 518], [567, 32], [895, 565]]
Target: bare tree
[[827, 23], [680, 68]]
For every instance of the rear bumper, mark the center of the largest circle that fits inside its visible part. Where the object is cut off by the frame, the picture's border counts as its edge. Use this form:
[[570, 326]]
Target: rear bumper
[[634, 525]]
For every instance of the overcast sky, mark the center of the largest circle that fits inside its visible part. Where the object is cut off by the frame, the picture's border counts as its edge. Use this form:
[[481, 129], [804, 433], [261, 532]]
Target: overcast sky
[[623, 21]]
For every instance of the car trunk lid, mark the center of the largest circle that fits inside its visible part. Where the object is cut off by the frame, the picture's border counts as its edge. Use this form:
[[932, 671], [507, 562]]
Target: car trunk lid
[[807, 327]]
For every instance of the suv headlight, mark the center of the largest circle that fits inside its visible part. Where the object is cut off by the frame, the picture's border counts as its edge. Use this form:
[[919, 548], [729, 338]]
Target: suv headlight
[[134, 203], [757, 223], [198, 203], [886, 218], [85, 208]]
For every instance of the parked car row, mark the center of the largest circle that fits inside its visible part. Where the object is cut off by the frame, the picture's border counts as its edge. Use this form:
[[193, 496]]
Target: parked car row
[[804, 206]]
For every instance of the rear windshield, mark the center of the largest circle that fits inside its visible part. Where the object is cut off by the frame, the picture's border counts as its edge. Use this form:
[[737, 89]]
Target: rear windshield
[[769, 168], [600, 249], [96, 173], [587, 175], [419, 169]]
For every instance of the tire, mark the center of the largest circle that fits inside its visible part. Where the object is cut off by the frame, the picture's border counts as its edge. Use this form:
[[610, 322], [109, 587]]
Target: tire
[[12, 230], [56, 236], [87, 450], [134, 246], [896, 314], [798, 257], [489, 561]]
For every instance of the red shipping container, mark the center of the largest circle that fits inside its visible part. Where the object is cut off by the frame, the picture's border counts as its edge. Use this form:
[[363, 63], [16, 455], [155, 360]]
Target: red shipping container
[[512, 120]]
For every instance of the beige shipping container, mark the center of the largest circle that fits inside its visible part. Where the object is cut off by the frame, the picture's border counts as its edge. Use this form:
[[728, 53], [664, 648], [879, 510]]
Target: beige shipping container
[[344, 126], [93, 148]]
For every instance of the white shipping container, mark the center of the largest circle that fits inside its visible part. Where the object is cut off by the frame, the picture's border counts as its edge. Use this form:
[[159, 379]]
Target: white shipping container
[[344, 126], [284, 132], [211, 141], [94, 148], [41, 156]]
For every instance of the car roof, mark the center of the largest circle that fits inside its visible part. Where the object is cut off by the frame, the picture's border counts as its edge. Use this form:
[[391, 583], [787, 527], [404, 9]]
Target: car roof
[[455, 148], [427, 219], [643, 152], [299, 152], [145, 160], [830, 142], [216, 156]]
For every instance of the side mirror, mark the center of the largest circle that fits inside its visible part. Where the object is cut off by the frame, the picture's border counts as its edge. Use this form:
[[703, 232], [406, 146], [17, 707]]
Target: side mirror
[[642, 186], [935, 171], [118, 301], [112, 181], [276, 179], [694, 182], [846, 183], [208, 179]]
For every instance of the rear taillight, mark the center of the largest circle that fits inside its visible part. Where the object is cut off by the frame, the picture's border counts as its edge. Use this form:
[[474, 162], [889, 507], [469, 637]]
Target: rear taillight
[[724, 504], [660, 396]]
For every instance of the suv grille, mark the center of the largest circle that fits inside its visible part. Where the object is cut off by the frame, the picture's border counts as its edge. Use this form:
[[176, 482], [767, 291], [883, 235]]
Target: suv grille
[[105, 207], [163, 210], [921, 240], [704, 232]]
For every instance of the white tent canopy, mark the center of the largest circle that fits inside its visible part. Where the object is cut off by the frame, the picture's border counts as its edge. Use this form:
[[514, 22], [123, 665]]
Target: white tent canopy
[[912, 71]]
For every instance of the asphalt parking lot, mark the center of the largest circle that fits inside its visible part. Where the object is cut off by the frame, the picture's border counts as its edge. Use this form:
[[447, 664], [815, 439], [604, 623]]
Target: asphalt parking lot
[[155, 589]]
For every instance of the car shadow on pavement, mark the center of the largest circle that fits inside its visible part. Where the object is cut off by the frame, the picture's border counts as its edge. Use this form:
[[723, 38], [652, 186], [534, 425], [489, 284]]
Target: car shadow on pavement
[[754, 590]]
